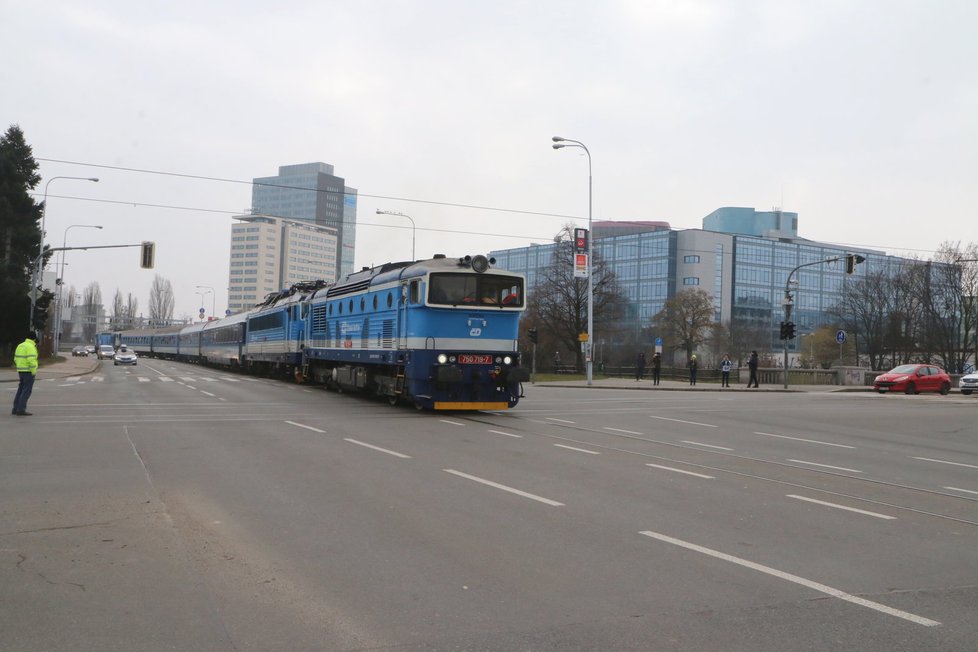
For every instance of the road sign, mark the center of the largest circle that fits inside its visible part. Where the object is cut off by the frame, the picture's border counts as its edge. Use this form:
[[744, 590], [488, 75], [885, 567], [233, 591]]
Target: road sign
[[840, 336], [658, 341]]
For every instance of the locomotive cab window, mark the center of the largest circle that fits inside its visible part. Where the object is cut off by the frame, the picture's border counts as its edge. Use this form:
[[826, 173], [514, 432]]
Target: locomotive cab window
[[471, 289]]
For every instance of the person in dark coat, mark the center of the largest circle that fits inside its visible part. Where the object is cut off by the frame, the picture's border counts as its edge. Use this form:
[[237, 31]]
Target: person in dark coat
[[640, 366], [725, 366], [752, 365], [656, 367], [693, 364]]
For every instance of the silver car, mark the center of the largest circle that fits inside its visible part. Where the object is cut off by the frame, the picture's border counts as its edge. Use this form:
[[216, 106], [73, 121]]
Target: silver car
[[124, 355]]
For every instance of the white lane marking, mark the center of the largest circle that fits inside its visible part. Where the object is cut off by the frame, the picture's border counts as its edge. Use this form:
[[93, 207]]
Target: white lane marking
[[378, 448], [451, 423], [809, 441], [627, 432], [209, 379], [190, 387], [143, 379], [669, 468], [188, 379], [696, 443], [153, 369], [692, 423], [927, 459], [821, 588], [98, 379], [826, 466], [496, 485], [507, 434], [579, 450], [848, 509], [166, 379], [302, 425], [967, 491], [208, 393], [560, 420]]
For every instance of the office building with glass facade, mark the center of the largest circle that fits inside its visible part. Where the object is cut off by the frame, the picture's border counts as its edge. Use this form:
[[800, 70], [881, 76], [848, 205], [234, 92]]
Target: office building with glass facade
[[312, 193], [742, 264]]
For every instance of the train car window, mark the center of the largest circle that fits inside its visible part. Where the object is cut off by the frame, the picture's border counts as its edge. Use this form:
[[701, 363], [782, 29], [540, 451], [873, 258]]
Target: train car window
[[351, 306], [415, 292], [390, 299], [340, 306], [363, 303], [305, 310], [375, 302]]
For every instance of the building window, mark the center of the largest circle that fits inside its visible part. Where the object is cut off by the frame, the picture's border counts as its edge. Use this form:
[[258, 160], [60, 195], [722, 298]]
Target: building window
[[691, 280], [691, 259]]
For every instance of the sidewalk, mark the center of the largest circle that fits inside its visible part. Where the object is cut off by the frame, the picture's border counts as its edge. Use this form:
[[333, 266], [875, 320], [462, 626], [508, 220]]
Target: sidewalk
[[70, 366], [683, 385]]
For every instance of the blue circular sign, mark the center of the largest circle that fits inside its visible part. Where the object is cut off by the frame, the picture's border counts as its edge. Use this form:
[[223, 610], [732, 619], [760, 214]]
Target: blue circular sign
[[840, 336], [658, 341]]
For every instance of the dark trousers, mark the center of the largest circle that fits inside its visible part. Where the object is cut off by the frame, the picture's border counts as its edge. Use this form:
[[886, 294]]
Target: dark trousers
[[24, 389], [655, 375], [753, 378], [692, 376], [724, 379]]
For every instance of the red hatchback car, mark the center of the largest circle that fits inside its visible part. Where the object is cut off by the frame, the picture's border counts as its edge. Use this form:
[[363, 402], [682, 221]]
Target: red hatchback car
[[913, 379]]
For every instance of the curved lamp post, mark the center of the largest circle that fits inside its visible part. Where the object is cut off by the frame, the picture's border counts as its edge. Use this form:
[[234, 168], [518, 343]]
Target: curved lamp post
[[588, 358], [414, 229]]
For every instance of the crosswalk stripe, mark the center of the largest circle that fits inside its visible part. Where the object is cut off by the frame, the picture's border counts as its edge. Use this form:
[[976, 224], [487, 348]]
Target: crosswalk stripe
[[143, 379]]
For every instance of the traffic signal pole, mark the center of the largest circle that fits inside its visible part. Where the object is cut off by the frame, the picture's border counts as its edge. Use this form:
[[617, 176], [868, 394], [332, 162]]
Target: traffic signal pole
[[787, 333], [148, 251]]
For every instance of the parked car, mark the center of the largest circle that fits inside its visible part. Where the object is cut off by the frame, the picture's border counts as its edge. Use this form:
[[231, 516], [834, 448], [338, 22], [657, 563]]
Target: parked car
[[124, 356], [106, 352], [913, 379], [79, 351], [968, 383], [90, 348]]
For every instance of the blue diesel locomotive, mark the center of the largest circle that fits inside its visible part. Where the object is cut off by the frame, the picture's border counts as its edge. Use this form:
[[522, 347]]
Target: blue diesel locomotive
[[440, 334]]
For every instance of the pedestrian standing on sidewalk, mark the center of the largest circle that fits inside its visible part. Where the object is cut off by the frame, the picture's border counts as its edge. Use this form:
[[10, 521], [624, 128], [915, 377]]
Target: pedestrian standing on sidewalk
[[656, 368], [725, 366], [752, 365], [25, 358], [640, 366], [692, 370]]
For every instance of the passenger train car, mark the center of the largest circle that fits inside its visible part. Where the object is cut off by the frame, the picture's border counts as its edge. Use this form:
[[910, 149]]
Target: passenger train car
[[440, 334]]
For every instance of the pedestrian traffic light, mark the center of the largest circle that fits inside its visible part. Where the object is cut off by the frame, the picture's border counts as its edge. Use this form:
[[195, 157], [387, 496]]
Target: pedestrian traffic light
[[789, 330], [784, 331], [534, 335], [148, 256]]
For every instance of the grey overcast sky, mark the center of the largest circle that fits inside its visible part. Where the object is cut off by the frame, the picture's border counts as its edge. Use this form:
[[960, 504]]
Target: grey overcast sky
[[862, 116]]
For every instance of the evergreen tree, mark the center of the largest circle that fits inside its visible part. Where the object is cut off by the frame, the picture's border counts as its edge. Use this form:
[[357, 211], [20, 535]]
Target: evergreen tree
[[20, 237]]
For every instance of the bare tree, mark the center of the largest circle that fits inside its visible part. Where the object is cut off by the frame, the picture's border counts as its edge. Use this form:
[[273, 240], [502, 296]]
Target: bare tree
[[161, 301], [92, 302], [117, 317], [559, 301], [685, 320], [132, 306]]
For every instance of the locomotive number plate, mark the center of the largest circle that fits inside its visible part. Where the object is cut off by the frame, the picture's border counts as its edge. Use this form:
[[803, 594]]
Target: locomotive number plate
[[467, 358]]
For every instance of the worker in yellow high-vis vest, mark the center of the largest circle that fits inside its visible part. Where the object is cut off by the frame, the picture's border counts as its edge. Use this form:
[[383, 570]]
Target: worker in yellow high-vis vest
[[25, 358]]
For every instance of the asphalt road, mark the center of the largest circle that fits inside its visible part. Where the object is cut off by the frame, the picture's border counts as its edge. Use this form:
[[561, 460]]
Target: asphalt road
[[170, 507]]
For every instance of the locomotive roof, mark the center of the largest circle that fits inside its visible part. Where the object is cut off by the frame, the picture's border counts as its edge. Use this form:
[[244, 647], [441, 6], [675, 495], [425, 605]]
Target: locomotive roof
[[360, 281]]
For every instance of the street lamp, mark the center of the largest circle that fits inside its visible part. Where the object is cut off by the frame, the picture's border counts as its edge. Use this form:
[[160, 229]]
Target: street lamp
[[213, 298], [61, 281], [588, 361], [414, 229], [36, 272]]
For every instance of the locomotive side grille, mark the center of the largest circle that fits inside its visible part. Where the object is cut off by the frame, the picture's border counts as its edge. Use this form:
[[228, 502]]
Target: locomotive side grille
[[365, 334], [387, 332], [319, 318]]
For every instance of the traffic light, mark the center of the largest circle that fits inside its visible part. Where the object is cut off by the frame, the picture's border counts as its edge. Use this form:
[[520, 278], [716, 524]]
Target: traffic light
[[148, 255], [851, 261], [39, 319], [534, 335], [784, 331], [789, 330]]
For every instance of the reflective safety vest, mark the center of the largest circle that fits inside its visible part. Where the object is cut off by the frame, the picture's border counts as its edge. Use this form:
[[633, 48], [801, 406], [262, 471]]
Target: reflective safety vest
[[25, 357]]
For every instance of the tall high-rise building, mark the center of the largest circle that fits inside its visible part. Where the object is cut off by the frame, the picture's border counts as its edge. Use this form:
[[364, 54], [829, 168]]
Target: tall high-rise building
[[312, 193], [269, 254]]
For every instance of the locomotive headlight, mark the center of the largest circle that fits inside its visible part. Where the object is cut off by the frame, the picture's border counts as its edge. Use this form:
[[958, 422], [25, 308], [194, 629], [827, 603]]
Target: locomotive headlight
[[498, 359], [451, 358], [507, 360], [442, 358]]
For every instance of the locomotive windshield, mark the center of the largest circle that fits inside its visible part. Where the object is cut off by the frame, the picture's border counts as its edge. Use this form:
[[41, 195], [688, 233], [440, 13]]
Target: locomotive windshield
[[475, 289]]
